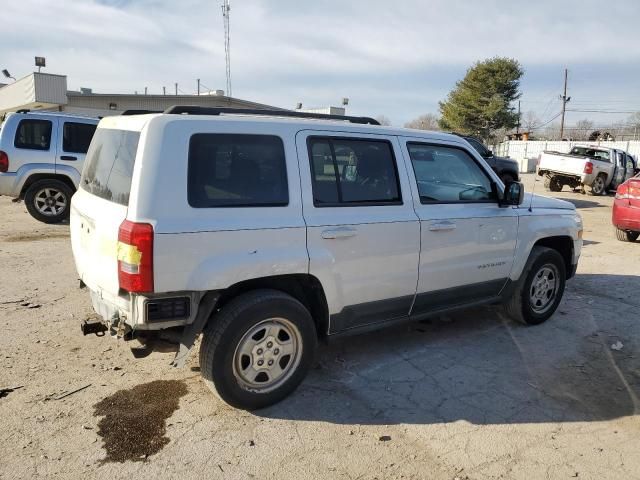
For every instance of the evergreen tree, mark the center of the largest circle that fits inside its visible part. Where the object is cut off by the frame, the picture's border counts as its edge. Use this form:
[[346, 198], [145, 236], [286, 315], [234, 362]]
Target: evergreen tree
[[482, 102]]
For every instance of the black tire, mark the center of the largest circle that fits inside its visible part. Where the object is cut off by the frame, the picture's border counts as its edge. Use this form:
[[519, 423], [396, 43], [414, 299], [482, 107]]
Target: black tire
[[519, 307], [555, 185], [626, 235], [59, 192], [507, 177], [598, 187], [229, 327]]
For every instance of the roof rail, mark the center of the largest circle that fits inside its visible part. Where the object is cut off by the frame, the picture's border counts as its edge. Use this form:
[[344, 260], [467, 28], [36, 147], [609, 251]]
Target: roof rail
[[196, 110], [23, 110], [139, 112]]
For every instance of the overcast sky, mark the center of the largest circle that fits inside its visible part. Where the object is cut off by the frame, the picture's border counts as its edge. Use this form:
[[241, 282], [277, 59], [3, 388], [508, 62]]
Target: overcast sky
[[393, 58]]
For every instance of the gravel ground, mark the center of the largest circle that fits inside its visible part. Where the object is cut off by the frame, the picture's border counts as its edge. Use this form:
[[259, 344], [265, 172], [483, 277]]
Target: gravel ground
[[467, 396]]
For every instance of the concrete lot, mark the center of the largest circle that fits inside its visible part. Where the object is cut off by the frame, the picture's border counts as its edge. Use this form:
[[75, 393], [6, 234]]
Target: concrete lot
[[469, 396]]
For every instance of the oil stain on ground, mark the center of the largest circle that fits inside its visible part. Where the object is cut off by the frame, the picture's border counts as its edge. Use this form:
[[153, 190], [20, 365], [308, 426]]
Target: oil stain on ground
[[134, 423]]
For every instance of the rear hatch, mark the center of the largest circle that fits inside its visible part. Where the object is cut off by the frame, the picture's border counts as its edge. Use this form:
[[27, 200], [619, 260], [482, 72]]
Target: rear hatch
[[100, 205]]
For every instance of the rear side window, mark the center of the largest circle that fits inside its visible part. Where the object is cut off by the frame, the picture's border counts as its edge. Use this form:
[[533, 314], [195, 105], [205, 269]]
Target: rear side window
[[33, 134], [449, 175], [76, 137], [109, 164], [352, 172], [235, 170]]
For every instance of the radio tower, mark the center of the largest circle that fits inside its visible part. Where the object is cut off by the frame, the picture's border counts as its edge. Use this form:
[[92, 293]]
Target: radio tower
[[226, 8]]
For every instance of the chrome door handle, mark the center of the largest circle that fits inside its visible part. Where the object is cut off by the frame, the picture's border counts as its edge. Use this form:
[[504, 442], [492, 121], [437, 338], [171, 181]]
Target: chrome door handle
[[441, 226], [340, 232]]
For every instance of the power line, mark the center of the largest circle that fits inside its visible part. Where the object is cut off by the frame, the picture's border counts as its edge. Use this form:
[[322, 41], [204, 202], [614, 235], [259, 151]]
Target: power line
[[536, 127], [603, 111]]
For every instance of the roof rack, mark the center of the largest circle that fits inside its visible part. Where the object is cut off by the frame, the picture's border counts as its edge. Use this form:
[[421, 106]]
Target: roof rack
[[196, 110], [139, 112], [23, 110]]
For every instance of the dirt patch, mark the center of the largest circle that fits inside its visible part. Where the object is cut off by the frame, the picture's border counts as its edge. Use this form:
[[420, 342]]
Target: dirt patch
[[32, 237], [134, 425]]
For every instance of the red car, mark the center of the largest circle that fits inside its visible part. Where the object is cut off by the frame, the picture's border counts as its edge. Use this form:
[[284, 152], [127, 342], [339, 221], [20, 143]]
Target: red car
[[626, 210]]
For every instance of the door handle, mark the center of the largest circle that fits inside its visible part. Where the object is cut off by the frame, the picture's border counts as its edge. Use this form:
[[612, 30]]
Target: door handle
[[341, 232], [68, 157], [442, 226]]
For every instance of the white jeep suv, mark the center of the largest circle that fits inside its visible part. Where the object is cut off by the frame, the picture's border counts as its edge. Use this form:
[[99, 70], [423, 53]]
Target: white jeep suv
[[266, 233]]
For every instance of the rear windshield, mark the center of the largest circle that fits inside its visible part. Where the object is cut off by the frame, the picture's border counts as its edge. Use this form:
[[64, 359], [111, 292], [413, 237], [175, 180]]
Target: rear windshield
[[591, 152], [109, 164]]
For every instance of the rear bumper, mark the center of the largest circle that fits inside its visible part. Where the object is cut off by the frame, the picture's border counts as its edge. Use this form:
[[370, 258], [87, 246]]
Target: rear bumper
[[7, 184], [128, 315], [626, 217]]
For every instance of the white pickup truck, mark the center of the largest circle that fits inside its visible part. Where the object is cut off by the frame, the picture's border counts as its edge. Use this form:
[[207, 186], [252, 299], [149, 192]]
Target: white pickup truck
[[594, 169]]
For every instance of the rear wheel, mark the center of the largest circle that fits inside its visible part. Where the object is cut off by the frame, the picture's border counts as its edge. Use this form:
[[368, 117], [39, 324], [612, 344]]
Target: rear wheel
[[626, 235], [258, 349], [540, 288], [598, 187], [49, 200]]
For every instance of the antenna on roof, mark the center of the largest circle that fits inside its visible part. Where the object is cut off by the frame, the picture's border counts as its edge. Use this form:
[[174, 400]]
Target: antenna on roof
[[226, 8]]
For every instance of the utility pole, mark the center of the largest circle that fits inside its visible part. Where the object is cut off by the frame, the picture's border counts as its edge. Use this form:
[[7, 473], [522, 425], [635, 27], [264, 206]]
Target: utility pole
[[164, 90], [198, 86], [176, 88], [565, 100], [518, 125]]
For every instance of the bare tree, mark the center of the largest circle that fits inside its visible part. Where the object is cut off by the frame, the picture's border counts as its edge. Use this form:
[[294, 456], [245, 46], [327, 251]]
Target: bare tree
[[383, 120], [428, 121], [530, 121], [582, 130], [552, 131]]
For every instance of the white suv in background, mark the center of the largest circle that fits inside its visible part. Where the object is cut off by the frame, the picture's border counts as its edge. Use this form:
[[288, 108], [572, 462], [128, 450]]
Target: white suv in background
[[41, 158], [268, 233]]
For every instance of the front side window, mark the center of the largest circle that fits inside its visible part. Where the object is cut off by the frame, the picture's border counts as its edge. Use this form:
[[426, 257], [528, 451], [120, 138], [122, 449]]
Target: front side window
[[449, 175], [76, 137], [236, 170], [353, 172], [33, 134]]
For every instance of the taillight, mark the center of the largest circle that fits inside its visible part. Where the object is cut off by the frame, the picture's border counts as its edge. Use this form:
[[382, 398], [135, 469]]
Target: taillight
[[4, 162], [588, 167], [622, 193], [135, 257]]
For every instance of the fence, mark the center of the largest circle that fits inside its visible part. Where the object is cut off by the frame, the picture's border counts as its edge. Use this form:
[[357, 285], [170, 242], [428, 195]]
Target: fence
[[526, 152]]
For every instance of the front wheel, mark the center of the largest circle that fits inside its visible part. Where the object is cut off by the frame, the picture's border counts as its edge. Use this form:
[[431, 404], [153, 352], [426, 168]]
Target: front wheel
[[258, 349], [540, 288], [626, 235], [48, 200]]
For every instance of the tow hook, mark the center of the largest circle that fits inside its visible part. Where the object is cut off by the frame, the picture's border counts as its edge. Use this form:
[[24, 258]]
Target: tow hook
[[93, 326]]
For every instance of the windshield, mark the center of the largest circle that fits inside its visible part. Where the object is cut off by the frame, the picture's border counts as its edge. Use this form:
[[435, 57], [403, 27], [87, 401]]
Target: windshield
[[109, 164]]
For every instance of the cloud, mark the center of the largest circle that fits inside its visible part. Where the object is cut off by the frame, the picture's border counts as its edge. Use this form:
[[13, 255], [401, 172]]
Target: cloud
[[394, 58]]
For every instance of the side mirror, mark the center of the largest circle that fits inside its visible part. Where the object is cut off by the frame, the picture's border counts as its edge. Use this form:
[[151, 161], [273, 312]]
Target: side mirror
[[513, 194], [489, 154]]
